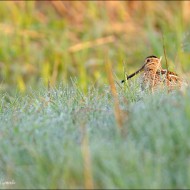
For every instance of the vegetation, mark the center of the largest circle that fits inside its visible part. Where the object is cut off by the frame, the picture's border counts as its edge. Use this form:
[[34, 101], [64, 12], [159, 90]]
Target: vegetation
[[66, 121], [55, 40], [65, 139]]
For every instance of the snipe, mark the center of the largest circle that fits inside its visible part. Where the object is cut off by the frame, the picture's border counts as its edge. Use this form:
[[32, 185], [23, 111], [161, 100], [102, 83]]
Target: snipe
[[154, 76]]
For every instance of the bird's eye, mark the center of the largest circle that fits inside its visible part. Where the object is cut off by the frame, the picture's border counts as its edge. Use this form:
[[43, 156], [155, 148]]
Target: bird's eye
[[148, 60]]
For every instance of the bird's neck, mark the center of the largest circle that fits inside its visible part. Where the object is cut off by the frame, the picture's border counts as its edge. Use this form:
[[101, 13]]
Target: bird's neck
[[153, 67]]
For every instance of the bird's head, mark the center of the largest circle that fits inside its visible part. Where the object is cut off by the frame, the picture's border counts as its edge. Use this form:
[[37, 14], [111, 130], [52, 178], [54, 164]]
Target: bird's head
[[152, 63]]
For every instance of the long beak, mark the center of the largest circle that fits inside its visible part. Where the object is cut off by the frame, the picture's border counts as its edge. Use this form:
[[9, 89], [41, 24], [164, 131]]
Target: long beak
[[132, 75], [135, 73]]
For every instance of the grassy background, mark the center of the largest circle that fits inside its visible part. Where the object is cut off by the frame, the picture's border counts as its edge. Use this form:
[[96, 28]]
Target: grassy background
[[55, 41], [67, 135]]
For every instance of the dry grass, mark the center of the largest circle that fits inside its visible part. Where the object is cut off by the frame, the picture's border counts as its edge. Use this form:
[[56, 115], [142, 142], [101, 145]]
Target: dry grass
[[56, 40], [118, 112]]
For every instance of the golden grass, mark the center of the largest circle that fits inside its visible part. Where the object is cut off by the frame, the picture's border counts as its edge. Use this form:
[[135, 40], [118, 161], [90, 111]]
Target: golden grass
[[117, 110], [93, 43], [88, 178], [57, 39]]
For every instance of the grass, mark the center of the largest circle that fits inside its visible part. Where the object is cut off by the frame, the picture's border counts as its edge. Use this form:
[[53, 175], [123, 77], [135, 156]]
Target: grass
[[63, 139], [54, 41], [85, 133]]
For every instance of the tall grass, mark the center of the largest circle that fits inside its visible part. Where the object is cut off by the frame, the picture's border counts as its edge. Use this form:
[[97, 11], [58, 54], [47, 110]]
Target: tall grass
[[55, 41], [66, 136], [71, 140]]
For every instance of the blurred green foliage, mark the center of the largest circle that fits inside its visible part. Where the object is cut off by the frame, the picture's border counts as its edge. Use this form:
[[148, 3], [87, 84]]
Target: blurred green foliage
[[42, 140], [48, 138], [59, 40]]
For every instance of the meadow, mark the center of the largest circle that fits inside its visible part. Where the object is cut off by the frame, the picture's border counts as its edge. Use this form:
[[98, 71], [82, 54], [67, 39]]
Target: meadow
[[64, 139], [66, 121], [57, 41]]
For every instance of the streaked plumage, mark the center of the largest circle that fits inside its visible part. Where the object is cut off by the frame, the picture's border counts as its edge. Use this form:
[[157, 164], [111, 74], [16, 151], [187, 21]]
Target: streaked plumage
[[153, 76]]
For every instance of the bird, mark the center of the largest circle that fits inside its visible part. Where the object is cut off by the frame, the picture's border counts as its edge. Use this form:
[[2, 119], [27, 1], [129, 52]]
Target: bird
[[154, 76]]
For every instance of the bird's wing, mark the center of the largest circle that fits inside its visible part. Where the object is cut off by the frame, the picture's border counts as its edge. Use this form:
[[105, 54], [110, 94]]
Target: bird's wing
[[170, 75]]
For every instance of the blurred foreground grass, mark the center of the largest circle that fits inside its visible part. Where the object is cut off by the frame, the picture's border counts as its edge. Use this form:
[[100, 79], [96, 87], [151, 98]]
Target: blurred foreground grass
[[67, 136], [66, 139], [54, 40]]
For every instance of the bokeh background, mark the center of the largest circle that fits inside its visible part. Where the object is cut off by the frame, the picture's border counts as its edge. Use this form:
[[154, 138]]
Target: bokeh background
[[57, 41]]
